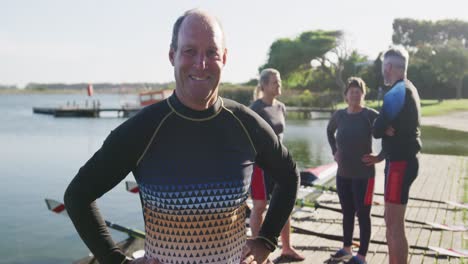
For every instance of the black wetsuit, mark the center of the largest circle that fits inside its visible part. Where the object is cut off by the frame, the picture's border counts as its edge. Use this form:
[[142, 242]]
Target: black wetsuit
[[274, 115], [354, 180], [194, 170], [353, 140], [400, 110]]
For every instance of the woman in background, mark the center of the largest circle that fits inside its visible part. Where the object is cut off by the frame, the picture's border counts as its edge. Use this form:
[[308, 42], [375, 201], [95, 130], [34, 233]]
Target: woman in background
[[273, 111], [352, 148]]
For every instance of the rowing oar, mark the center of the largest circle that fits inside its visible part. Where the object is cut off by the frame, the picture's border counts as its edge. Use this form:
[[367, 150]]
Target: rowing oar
[[436, 226], [133, 188], [59, 208], [316, 205], [442, 251], [303, 231], [453, 203]]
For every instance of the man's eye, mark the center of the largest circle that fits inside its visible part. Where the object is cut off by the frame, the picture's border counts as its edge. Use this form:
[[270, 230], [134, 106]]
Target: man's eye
[[190, 52], [212, 54]]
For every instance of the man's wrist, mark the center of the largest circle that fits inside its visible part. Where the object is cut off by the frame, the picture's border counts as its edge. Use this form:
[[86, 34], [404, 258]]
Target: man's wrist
[[271, 246], [126, 260], [114, 257]]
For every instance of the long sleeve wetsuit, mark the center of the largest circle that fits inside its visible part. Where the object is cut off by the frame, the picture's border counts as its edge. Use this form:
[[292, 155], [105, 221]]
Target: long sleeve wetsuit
[[353, 139], [400, 110], [193, 169]]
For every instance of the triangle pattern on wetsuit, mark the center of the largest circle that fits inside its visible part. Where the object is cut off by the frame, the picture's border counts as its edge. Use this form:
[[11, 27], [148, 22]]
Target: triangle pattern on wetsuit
[[194, 223]]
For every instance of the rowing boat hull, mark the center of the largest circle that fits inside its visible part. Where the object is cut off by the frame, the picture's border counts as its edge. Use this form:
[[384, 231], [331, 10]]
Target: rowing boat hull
[[128, 246]]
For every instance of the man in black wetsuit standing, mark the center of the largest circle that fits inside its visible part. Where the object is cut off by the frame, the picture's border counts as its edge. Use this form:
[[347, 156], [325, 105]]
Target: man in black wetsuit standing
[[192, 156], [398, 126]]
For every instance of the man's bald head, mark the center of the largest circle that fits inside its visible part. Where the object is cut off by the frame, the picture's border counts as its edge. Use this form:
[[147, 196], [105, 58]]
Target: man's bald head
[[209, 19]]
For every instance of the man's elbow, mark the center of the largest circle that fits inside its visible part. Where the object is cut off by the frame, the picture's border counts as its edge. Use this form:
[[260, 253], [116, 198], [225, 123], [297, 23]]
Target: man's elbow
[[294, 182], [68, 198], [378, 129], [377, 134], [72, 198], [289, 183]]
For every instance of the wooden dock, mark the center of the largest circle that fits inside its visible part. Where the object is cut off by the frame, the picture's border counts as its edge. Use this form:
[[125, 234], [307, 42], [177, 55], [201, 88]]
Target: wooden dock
[[94, 111], [85, 111], [308, 112], [440, 178]]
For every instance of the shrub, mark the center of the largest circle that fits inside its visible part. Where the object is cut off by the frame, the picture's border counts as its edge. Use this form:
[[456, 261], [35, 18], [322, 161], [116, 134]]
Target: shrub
[[238, 93]]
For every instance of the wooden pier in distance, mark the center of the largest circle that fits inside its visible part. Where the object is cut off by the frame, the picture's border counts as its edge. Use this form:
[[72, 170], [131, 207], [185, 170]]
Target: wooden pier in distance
[[76, 111], [307, 111], [127, 111]]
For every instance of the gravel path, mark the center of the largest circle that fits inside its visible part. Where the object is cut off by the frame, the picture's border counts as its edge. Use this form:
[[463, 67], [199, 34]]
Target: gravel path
[[455, 120]]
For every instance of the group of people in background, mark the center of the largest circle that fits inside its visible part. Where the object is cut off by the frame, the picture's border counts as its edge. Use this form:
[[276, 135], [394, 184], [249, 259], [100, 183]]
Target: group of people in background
[[196, 158], [350, 132]]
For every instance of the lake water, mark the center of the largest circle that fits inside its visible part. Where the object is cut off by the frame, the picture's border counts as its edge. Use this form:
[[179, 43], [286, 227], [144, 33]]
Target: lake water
[[40, 154]]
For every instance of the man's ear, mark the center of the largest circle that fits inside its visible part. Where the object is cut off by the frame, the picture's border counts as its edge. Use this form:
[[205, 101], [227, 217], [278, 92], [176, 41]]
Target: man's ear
[[171, 56], [225, 56]]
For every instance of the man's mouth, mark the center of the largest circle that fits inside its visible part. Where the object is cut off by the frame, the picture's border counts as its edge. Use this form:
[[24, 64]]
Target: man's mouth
[[198, 78]]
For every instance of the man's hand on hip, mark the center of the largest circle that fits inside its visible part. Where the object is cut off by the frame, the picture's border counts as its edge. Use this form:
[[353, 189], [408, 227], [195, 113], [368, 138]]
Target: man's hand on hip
[[254, 252]]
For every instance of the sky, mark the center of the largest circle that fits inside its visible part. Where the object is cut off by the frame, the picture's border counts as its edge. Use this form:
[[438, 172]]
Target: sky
[[51, 41]]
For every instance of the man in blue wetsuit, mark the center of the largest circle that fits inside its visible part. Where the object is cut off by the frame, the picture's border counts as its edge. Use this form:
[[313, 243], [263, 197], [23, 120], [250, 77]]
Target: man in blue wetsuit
[[192, 156], [398, 126]]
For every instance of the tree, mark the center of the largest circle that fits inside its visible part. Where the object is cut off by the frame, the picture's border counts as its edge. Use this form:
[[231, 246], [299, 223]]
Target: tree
[[440, 49], [371, 73], [422, 74], [288, 55], [414, 33], [294, 58], [333, 64], [340, 63], [319, 61], [450, 63]]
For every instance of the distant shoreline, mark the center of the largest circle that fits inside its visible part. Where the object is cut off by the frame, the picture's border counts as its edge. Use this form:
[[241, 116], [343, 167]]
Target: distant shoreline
[[71, 91]]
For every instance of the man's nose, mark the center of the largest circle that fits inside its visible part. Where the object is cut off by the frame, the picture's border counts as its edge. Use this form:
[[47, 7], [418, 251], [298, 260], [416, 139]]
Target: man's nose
[[200, 61]]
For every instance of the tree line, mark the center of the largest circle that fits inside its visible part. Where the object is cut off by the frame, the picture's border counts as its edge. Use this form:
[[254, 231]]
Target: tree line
[[316, 64], [103, 87]]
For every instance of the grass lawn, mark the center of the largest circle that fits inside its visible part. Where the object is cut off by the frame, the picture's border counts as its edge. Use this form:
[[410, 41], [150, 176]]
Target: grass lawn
[[433, 107], [428, 107], [444, 141]]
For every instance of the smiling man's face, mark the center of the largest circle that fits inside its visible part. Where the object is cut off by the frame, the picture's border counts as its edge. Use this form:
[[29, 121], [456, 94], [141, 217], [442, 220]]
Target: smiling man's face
[[198, 61]]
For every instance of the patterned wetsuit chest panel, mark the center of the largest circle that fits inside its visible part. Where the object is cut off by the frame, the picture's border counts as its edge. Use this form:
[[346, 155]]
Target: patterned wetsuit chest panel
[[194, 181], [194, 223], [185, 151]]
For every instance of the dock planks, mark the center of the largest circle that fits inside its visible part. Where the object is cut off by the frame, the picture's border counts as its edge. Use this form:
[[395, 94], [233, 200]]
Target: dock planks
[[440, 178]]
